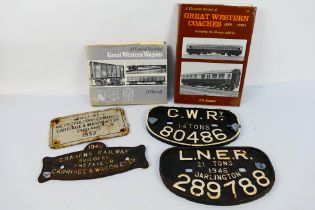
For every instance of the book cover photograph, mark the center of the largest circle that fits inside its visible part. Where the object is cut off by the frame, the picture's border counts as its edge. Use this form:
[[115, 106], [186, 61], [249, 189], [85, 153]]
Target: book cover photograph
[[127, 73], [212, 53]]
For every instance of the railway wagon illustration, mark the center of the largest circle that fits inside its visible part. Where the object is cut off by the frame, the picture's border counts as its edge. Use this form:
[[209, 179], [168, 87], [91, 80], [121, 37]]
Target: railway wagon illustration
[[134, 68], [224, 80], [106, 74], [159, 80], [213, 48]]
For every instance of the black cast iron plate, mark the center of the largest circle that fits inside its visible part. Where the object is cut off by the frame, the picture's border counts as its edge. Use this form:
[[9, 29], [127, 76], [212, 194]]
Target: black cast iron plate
[[95, 161], [217, 175], [182, 126]]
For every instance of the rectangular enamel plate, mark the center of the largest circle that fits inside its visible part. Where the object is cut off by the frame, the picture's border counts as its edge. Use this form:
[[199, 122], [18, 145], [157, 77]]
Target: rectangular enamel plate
[[86, 127]]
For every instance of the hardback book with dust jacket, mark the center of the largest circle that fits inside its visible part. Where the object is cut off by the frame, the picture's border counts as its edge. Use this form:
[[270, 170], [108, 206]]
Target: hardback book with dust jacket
[[212, 52]]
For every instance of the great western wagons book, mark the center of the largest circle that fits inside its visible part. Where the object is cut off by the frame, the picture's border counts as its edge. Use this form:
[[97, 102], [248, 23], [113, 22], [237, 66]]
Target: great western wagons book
[[212, 51], [133, 73]]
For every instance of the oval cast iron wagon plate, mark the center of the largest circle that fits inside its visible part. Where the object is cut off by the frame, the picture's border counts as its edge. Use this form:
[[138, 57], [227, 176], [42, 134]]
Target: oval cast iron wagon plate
[[182, 126], [95, 161], [217, 175], [85, 127]]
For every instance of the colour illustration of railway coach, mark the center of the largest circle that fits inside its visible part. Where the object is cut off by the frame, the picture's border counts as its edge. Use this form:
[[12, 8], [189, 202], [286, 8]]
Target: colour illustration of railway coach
[[224, 80], [199, 49], [146, 80], [106, 74]]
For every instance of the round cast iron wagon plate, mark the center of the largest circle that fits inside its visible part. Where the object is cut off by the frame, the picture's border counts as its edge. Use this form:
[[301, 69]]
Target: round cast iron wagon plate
[[182, 126], [217, 175]]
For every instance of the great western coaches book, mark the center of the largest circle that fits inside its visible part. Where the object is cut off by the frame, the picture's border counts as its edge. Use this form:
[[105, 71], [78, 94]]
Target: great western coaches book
[[212, 52], [127, 73]]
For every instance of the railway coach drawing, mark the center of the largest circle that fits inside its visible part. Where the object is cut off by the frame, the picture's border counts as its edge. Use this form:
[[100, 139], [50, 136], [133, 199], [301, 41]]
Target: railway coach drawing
[[223, 80], [106, 74], [199, 49], [146, 80]]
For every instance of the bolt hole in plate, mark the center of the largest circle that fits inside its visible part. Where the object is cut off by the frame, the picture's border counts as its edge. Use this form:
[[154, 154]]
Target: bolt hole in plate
[[242, 170], [182, 126], [217, 175]]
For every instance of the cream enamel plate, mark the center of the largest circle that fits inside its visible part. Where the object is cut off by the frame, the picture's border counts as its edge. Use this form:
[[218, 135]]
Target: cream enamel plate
[[86, 127]]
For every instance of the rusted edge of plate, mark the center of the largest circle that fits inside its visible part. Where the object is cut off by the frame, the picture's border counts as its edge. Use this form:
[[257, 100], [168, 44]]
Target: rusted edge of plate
[[88, 126]]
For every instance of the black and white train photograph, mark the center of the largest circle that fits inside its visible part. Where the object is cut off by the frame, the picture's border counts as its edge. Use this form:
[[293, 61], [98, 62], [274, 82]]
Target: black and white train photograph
[[107, 73], [146, 72], [213, 48], [146, 67], [210, 79], [146, 80]]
